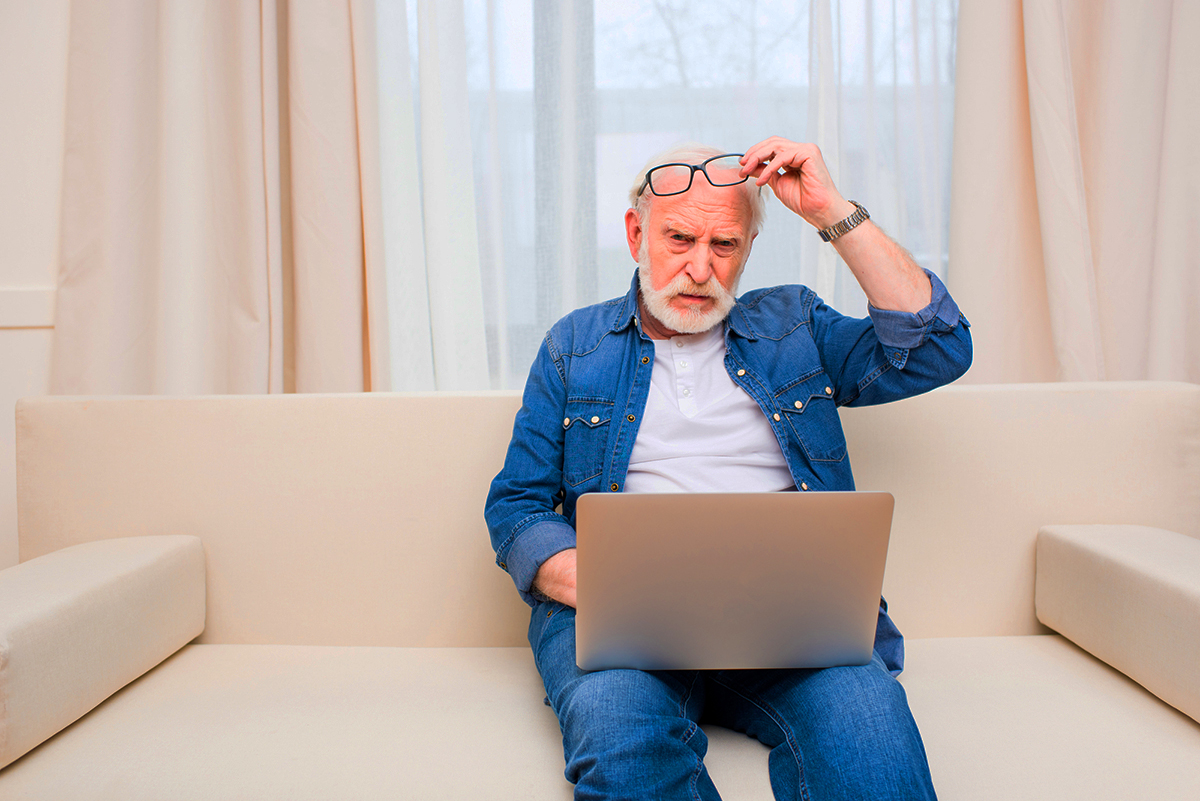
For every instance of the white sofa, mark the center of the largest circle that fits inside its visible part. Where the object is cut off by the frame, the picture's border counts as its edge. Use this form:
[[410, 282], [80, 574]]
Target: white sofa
[[294, 597]]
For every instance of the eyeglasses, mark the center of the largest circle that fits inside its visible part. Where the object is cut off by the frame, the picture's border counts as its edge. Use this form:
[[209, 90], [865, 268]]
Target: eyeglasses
[[675, 179]]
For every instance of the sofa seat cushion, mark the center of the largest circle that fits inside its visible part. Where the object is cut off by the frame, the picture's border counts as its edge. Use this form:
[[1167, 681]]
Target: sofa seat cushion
[[1017, 717], [1038, 717], [313, 722]]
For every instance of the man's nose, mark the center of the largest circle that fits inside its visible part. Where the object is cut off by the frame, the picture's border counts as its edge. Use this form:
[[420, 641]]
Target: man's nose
[[699, 267]]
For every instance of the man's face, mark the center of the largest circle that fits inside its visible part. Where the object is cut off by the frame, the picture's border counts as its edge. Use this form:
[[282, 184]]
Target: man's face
[[690, 256]]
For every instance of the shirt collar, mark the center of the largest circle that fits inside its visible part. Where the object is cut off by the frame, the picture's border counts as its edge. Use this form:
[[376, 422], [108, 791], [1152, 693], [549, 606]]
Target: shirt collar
[[739, 322], [627, 308]]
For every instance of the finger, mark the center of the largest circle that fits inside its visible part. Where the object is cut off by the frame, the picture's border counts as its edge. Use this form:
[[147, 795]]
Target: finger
[[754, 170], [756, 156], [811, 154], [758, 159], [772, 168], [767, 149], [753, 151]]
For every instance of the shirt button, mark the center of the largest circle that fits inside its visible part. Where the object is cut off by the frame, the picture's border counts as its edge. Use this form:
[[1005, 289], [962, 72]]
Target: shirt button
[[566, 422], [679, 343], [828, 391], [803, 486], [776, 417], [799, 404], [895, 355], [683, 365], [595, 420], [741, 372], [645, 360], [613, 487], [630, 418], [687, 393], [503, 566]]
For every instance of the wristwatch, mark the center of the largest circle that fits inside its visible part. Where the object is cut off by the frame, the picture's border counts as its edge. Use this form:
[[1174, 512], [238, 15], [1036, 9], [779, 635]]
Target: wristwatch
[[839, 228]]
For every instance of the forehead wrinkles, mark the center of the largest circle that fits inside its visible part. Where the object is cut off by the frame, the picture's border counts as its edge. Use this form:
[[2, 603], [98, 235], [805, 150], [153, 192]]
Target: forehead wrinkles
[[713, 219]]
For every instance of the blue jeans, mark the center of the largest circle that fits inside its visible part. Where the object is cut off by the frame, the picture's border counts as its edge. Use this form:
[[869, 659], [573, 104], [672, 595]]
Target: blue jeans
[[631, 734]]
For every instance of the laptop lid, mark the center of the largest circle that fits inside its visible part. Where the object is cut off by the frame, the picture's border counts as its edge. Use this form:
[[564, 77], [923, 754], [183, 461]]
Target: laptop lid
[[705, 581]]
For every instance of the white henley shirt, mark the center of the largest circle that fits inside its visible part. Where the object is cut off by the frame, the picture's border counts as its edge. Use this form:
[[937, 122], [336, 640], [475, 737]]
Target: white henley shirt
[[700, 431]]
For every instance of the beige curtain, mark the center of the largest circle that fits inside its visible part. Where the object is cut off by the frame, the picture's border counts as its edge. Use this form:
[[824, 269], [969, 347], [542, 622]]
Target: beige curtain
[[221, 225], [1075, 225]]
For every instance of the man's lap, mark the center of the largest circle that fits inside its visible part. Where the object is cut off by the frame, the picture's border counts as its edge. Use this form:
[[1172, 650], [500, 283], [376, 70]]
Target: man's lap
[[730, 698], [832, 731]]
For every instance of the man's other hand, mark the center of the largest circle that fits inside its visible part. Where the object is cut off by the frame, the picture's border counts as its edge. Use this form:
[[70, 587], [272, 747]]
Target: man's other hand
[[556, 577], [798, 176]]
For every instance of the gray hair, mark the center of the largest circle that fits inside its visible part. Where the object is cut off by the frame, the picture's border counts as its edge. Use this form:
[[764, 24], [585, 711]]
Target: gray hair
[[691, 153]]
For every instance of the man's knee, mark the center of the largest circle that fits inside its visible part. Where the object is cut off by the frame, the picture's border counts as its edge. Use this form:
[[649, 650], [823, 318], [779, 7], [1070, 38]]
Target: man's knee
[[618, 697], [622, 723], [864, 695], [856, 732]]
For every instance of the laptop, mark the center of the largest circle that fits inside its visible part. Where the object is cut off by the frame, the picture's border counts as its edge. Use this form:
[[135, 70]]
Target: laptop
[[709, 581]]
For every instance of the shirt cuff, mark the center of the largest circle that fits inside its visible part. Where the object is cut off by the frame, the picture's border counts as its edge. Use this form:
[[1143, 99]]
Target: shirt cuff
[[898, 329], [533, 546]]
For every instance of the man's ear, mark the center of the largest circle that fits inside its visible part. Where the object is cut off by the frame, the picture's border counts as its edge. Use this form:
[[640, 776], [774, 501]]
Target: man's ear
[[633, 232]]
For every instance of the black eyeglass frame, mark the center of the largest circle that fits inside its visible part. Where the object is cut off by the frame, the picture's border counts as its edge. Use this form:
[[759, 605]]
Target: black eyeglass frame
[[695, 168]]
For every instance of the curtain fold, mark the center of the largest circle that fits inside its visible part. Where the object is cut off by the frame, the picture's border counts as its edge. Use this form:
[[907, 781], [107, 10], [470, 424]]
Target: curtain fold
[[376, 340], [1075, 238], [410, 337], [327, 219], [213, 236], [824, 128], [1062, 197], [448, 200]]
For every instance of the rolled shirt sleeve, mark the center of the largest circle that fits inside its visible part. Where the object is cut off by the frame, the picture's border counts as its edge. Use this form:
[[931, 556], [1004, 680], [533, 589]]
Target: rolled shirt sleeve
[[898, 329], [532, 546]]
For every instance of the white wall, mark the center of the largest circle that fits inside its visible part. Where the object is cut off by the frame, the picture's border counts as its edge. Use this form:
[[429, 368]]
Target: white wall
[[33, 79]]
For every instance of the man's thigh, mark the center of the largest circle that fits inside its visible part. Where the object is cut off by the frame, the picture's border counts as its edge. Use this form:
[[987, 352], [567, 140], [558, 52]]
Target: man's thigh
[[832, 724], [552, 637], [845, 696], [626, 733]]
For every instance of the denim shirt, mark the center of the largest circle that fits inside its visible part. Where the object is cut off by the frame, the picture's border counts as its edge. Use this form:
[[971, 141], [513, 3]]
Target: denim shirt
[[796, 357]]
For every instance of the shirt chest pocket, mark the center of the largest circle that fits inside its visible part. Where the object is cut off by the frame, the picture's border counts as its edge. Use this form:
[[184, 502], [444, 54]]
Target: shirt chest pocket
[[810, 410], [587, 424]]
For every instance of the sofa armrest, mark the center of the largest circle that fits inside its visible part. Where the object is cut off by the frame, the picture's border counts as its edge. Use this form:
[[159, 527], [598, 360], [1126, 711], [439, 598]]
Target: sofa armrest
[[79, 624], [1130, 595]]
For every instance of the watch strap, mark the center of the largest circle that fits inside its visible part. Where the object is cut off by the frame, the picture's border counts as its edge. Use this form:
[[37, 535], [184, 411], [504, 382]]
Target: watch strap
[[845, 226]]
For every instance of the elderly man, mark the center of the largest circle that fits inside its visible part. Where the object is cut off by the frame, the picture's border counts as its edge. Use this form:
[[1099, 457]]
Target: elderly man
[[678, 387]]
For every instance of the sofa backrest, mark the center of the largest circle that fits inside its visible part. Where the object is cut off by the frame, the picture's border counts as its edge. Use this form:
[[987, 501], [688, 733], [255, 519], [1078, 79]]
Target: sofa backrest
[[976, 470], [357, 519]]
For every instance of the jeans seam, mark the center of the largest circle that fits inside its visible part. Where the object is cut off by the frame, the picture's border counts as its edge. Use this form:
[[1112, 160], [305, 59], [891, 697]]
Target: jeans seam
[[683, 702], [694, 782], [693, 727], [777, 719]]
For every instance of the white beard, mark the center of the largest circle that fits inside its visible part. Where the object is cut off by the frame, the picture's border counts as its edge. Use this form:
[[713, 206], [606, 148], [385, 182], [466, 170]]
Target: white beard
[[685, 321]]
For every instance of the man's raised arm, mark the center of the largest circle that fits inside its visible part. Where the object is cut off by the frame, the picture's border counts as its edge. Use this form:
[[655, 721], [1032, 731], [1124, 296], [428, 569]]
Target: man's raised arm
[[797, 175]]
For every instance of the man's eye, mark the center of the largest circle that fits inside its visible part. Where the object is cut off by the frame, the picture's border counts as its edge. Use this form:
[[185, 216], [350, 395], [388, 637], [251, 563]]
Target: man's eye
[[679, 237]]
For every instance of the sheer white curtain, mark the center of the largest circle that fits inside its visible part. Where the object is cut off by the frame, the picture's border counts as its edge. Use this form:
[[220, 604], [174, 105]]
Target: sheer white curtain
[[565, 99]]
